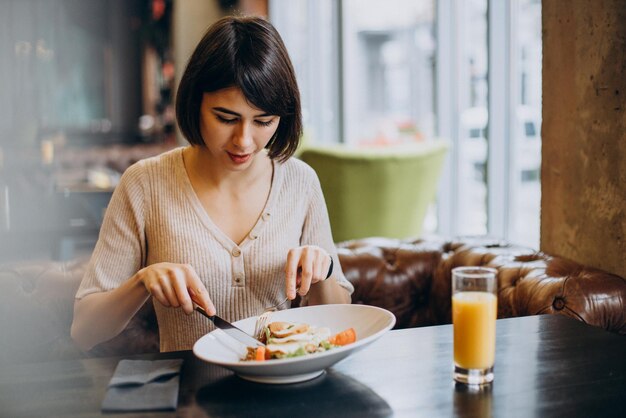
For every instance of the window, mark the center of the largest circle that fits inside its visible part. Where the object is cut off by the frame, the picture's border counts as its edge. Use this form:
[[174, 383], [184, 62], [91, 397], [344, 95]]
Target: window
[[525, 187], [467, 71], [388, 70], [465, 54], [316, 58]]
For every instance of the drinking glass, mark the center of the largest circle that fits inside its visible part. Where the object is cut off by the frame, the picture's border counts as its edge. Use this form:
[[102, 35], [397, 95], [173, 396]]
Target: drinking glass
[[474, 312]]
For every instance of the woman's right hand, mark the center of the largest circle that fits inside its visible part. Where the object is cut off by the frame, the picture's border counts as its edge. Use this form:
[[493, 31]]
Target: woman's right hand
[[176, 285]]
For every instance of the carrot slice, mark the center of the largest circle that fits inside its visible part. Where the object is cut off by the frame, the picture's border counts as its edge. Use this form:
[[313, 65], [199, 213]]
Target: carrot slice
[[260, 354], [344, 337]]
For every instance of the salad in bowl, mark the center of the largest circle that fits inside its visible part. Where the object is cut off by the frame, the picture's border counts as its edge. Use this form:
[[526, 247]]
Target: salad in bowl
[[289, 340], [334, 332]]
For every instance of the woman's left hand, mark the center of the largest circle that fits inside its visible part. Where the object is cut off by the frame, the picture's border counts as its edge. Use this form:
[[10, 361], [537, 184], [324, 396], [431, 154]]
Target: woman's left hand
[[306, 265]]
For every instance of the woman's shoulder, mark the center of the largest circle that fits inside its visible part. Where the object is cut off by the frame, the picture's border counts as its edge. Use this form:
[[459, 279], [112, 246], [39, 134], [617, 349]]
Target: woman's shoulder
[[155, 165], [149, 170], [298, 170]]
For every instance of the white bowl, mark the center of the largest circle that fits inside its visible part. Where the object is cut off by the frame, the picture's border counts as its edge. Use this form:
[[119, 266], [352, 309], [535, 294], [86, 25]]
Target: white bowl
[[369, 322]]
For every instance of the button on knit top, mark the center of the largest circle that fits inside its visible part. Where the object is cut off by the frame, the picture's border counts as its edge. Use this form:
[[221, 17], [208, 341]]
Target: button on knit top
[[155, 216]]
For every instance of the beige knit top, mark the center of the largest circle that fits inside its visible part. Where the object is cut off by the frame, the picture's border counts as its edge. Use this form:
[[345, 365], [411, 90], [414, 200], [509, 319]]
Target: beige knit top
[[155, 216]]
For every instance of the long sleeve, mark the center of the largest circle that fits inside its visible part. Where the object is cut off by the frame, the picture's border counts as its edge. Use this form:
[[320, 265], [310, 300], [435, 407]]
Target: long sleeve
[[120, 250], [316, 230]]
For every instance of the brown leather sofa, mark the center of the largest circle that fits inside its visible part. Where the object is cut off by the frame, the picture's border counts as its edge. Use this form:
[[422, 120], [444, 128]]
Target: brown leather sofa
[[409, 278]]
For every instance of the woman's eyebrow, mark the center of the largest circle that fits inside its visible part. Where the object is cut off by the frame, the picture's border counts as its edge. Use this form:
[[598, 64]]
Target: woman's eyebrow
[[230, 112]]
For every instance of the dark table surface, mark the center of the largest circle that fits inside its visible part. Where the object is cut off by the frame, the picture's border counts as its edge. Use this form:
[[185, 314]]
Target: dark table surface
[[546, 366]]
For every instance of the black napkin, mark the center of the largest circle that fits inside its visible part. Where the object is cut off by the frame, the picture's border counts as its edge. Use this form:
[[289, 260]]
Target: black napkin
[[143, 385]]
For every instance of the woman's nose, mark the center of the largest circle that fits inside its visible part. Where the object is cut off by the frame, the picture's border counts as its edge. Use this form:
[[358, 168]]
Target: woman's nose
[[242, 137]]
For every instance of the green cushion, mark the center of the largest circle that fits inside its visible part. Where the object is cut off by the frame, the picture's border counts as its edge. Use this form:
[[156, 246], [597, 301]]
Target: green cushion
[[377, 191]]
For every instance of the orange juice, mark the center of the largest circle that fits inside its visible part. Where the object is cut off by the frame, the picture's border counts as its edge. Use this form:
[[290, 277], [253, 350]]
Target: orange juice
[[474, 323]]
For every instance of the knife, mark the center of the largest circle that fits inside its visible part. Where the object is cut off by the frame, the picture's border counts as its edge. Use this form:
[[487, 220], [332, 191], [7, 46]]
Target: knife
[[232, 330]]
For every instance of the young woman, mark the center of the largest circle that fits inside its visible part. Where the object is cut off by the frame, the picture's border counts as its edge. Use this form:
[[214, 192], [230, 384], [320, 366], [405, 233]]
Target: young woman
[[230, 222]]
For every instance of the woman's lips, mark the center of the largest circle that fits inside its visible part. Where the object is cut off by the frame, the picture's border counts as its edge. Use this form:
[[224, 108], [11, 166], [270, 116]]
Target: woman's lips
[[239, 158]]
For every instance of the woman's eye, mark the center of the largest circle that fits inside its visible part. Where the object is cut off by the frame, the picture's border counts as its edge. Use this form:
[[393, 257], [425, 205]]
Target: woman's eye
[[264, 123], [226, 120]]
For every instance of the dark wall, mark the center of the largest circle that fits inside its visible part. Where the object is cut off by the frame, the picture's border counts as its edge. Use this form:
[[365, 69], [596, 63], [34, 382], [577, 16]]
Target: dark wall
[[68, 64]]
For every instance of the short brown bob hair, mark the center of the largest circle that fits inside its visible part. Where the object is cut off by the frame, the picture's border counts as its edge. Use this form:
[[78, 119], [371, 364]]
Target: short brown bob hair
[[248, 53]]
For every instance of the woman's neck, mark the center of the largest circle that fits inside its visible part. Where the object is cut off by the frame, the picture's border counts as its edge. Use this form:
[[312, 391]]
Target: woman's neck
[[198, 165]]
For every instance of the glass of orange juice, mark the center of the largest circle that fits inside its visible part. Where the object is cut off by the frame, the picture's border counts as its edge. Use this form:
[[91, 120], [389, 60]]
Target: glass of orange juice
[[474, 312]]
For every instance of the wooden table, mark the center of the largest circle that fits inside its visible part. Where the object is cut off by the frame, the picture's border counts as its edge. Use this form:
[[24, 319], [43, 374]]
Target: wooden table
[[546, 366]]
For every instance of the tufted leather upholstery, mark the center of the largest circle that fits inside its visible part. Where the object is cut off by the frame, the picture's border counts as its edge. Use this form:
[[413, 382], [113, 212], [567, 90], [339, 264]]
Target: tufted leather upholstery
[[411, 278]]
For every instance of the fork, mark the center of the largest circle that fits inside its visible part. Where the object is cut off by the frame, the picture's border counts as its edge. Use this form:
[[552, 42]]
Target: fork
[[261, 323], [264, 318]]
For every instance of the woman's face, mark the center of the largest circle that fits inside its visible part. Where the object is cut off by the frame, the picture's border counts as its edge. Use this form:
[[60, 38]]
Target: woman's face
[[234, 132]]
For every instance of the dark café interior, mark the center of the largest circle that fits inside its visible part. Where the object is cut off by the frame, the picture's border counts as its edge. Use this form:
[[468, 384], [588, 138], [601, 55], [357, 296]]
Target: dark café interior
[[442, 134]]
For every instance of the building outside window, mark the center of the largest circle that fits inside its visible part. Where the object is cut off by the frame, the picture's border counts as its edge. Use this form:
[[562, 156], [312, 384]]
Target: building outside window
[[378, 73], [389, 70]]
